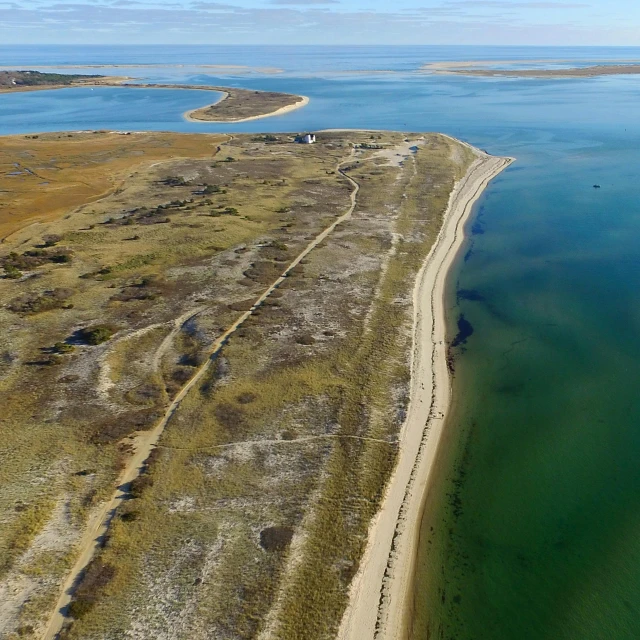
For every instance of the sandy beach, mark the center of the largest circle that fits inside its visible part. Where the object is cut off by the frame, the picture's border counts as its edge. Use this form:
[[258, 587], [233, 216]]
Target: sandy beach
[[382, 589], [278, 112]]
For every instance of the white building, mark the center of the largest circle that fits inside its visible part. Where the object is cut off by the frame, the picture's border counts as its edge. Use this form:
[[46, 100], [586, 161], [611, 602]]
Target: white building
[[306, 138]]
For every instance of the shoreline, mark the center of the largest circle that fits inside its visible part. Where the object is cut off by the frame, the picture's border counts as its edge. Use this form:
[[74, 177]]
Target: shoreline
[[124, 83], [474, 68], [382, 590]]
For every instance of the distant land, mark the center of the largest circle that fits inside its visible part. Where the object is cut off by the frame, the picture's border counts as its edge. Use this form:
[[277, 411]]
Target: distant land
[[236, 105], [25, 80], [464, 68]]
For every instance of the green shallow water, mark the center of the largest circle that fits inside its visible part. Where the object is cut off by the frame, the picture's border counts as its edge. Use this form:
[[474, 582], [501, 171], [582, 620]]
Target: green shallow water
[[533, 529]]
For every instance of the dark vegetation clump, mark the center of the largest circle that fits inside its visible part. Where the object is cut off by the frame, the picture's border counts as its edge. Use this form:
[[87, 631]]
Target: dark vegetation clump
[[305, 339], [32, 303], [181, 375], [212, 188], [114, 428], [51, 240], [242, 305], [139, 485], [191, 359], [35, 258], [229, 416], [266, 138], [226, 211], [247, 397], [175, 181], [276, 538], [264, 272], [96, 334], [141, 289], [144, 394], [25, 631], [62, 348], [96, 576], [144, 481], [154, 215], [11, 272]]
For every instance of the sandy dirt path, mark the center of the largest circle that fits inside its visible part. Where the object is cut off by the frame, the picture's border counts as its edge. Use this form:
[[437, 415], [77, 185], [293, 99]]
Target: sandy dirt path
[[382, 589], [144, 442]]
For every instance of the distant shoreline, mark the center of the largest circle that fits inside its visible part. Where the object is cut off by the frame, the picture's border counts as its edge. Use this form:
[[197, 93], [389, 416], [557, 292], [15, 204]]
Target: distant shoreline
[[470, 69], [236, 105]]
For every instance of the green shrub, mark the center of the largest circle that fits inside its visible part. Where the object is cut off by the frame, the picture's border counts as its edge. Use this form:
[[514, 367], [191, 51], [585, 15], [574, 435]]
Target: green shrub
[[32, 303], [97, 334], [63, 347], [12, 272]]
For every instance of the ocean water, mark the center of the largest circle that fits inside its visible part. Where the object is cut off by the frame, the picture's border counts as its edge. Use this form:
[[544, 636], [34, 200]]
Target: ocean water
[[533, 529]]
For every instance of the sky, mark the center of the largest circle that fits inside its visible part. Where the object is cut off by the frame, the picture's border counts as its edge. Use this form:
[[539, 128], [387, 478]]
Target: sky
[[435, 22]]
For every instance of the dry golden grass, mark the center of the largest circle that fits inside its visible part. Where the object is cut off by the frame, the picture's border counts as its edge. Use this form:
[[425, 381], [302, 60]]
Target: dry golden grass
[[43, 176]]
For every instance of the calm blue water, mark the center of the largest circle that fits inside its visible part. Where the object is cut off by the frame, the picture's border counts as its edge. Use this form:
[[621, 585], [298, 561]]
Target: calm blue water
[[537, 529]]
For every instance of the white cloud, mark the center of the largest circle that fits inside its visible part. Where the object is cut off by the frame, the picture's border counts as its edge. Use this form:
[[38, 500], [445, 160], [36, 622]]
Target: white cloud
[[311, 22]]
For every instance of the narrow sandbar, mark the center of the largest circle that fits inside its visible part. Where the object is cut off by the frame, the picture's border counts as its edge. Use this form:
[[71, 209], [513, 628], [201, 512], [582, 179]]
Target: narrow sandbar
[[471, 69]]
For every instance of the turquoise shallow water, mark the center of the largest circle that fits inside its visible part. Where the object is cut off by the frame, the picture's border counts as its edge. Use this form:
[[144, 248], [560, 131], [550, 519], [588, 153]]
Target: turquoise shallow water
[[536, 523]]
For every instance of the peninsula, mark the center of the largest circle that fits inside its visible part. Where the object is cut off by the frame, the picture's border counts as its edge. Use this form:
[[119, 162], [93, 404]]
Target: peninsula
[[259, 327], [235, 105]]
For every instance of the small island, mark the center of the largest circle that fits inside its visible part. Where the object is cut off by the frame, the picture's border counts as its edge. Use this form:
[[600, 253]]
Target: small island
[[240, 105], [236, 105]]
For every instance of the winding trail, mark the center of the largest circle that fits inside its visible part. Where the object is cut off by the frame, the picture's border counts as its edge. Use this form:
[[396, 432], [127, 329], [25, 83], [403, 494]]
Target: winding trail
[[178, 323], [382, 590], [144, 442]]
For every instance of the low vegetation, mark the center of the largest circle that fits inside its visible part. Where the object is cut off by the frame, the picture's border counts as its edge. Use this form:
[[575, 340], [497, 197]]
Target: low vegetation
[[252, 513], [11, 79]]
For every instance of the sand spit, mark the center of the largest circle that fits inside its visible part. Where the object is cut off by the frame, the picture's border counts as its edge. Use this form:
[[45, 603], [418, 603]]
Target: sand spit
[[382, 589], [278, 112], [191, 115]]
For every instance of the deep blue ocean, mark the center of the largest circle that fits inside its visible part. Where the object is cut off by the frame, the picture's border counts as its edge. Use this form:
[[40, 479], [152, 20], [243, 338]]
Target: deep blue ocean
[[535, 532]]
